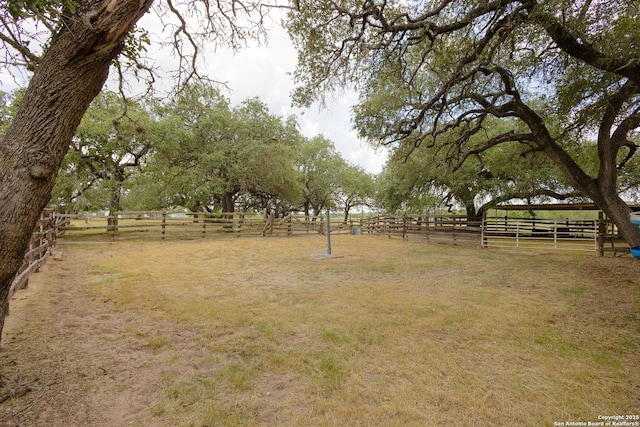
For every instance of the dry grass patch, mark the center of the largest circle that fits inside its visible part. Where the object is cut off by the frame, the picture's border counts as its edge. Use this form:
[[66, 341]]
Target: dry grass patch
[[261, 332]]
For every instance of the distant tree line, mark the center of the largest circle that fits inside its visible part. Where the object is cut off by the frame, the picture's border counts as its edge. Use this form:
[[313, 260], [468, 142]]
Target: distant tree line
[[198, 152], [486, 99]]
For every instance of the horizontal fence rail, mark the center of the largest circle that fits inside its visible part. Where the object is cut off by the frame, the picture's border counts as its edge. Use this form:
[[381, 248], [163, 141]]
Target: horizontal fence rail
[[432, 228], [577, 235], [190, 225], [529, 233], [42, 240]]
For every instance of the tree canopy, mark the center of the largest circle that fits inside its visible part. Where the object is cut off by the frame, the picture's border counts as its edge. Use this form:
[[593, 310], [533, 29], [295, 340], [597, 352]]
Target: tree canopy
[[435, 74], [28, 30], [198, 152], [423, 179], [210, 153], [69, 48], [111, 143]]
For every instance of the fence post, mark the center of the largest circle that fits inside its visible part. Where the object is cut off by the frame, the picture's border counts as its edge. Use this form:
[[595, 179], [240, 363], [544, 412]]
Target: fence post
[[601, 230], [240, 222], [484, 241], [328, 232], [113, 227], [271, 220], [164, 223], [404, 227], [482, 235]]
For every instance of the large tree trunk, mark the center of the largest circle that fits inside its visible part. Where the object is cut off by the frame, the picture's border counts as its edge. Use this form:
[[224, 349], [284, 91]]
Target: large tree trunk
[[605, 196], [618, 212], [228, 205], [115, 205], [473, 216], [228, 208], [307, 211], [69, 76], [602, 190], [347, 209]]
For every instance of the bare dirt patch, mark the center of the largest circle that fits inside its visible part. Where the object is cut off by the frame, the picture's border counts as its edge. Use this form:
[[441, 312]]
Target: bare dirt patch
[[70, 349], [261, 332]]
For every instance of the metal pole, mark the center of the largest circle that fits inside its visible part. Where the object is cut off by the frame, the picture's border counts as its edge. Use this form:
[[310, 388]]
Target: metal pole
[[328, 232]]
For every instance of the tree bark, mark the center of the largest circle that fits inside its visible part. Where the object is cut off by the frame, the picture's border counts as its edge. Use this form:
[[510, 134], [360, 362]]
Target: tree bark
[[70, 74], [473, 216], [307, 211], [227, 203], [114, 206], [347, 209], [602, 190]]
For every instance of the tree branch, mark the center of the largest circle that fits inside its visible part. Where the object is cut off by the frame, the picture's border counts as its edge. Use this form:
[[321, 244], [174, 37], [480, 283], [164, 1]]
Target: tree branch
[[510, 136], [11, 39], [628, 67]]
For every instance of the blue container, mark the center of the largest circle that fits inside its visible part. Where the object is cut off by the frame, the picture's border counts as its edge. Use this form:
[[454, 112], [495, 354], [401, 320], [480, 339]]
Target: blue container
[[635, 218], [635, 251]]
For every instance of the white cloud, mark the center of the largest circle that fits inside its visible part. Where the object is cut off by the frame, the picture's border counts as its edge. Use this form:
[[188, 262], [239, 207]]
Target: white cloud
[[266, 72], [256, 71]]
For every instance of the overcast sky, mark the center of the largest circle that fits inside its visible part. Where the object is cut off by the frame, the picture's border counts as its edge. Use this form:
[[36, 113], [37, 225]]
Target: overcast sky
[[266, 72]]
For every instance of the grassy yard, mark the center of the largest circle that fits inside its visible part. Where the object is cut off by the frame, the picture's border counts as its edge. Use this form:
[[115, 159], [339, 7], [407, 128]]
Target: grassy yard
[[385, 332]]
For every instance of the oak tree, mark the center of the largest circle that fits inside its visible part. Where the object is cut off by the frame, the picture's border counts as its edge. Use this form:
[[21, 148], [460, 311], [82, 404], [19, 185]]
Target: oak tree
[[320, 165], [568, 71], [356, 187], [68, 47], [508, 172], [210, 154], [111, 143]]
